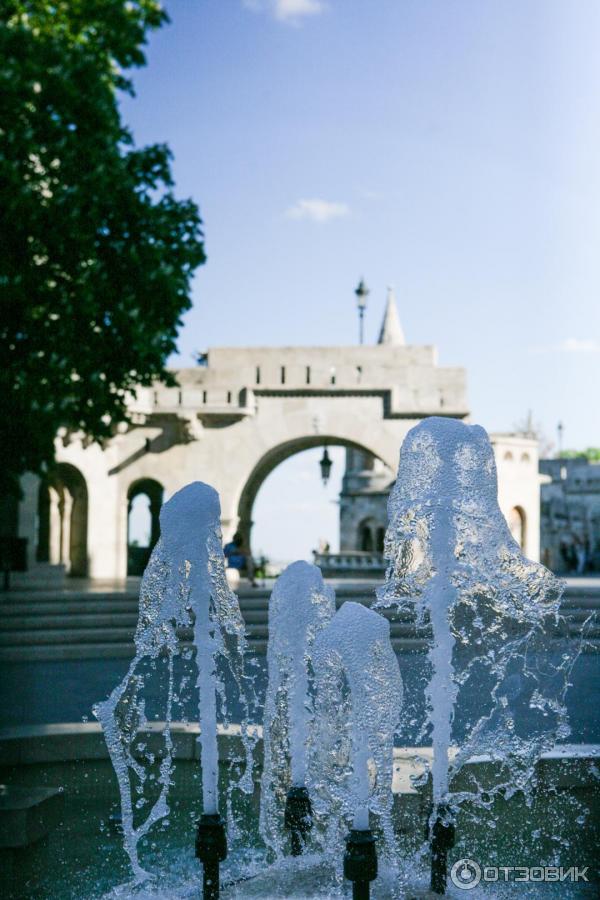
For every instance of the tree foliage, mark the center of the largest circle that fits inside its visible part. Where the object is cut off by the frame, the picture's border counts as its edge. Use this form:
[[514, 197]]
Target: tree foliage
[[96, 253], [592, 454]]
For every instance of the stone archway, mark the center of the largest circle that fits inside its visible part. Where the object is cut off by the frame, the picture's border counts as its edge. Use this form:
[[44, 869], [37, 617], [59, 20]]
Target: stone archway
[[230, 421], [152, 491], [268, 462], [62, 531]]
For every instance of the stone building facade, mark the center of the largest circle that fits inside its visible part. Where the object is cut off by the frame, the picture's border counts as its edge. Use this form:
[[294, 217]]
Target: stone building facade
[[230, 422]]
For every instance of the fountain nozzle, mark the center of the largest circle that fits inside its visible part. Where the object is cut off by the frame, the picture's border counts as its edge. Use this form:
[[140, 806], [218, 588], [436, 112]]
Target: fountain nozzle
[[360, 862], [211, 850], [298, 817], [442, 838]]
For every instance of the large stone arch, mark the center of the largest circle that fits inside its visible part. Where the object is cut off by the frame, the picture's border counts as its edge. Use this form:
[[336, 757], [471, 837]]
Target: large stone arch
[[269, 462], [233, 419]]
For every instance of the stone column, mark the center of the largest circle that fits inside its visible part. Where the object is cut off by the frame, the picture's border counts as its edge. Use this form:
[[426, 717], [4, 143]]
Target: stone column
[[66, 510], [54, 542]]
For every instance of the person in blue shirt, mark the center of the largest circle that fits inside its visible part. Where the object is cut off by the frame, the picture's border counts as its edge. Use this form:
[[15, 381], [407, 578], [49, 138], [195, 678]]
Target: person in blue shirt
[[237, 558]]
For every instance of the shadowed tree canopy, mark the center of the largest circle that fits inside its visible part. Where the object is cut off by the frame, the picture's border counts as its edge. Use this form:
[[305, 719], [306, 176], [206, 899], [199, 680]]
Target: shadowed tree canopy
[[96, 253]]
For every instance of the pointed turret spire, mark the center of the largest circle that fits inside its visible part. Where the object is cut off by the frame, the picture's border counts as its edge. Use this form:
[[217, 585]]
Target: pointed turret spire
[[391, 329]]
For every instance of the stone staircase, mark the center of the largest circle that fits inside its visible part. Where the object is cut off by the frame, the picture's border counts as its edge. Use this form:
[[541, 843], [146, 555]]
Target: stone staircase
[[53, 625]]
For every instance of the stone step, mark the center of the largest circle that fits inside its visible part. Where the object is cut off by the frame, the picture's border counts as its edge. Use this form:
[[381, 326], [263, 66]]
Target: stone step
[[97, 601], [66, 596], [15, 620], [589, 603], [68, 621], [48, 653], [124, 635], [76, 607], [115, 602], [68, 636], [12, 617]]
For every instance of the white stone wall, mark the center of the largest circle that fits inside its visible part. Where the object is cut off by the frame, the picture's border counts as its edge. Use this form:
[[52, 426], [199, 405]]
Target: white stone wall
[[231, 422], [517, 463]]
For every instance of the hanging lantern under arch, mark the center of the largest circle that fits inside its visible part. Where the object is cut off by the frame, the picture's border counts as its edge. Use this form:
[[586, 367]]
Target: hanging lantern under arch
[[325, 465]]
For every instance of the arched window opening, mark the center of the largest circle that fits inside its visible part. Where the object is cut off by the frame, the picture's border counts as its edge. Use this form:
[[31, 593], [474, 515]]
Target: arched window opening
[[367, 535], [366, 539], [140, 521], [380, 539], [144, 500]]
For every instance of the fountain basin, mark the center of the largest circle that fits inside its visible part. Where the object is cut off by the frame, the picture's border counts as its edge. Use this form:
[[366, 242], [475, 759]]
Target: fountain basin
[[83, 856]]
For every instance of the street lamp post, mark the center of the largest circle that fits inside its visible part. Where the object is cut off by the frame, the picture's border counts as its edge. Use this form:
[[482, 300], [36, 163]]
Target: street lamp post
[[560, 430], [362, 292]]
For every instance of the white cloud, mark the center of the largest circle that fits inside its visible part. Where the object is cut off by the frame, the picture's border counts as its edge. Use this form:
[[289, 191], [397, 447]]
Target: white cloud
[[289, 11], [571, 345], [292, 10], [318, 210], [580, 345]]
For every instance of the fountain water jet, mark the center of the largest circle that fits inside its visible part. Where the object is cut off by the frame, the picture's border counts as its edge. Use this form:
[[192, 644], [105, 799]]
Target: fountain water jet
[[498, 670], [358, 697], [301, 606], [493, 616], [184, 584]]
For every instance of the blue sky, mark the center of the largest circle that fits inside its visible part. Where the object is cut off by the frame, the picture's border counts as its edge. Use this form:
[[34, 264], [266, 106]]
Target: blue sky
[[447, 147]]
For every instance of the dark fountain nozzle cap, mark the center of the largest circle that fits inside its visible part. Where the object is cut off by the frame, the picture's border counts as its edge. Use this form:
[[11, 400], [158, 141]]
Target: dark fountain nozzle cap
[[360, 858], [443, 830], [211, 839], [298, 810]]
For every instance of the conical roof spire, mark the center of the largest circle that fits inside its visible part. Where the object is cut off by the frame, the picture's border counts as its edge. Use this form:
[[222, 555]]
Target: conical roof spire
[[391, 329]]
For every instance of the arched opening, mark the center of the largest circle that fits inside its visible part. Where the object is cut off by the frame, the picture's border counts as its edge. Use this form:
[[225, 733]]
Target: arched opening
[[294, 513], [294, 496], [517, 523], [366, 532], [144, 500], [62, 521]]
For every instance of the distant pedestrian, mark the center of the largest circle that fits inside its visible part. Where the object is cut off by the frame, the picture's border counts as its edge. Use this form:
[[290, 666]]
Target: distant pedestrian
[[238, 558], [581, 557]]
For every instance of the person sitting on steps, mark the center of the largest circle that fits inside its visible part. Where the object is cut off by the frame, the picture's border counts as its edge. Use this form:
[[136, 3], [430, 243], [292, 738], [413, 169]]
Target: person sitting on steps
[[237, 557]]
